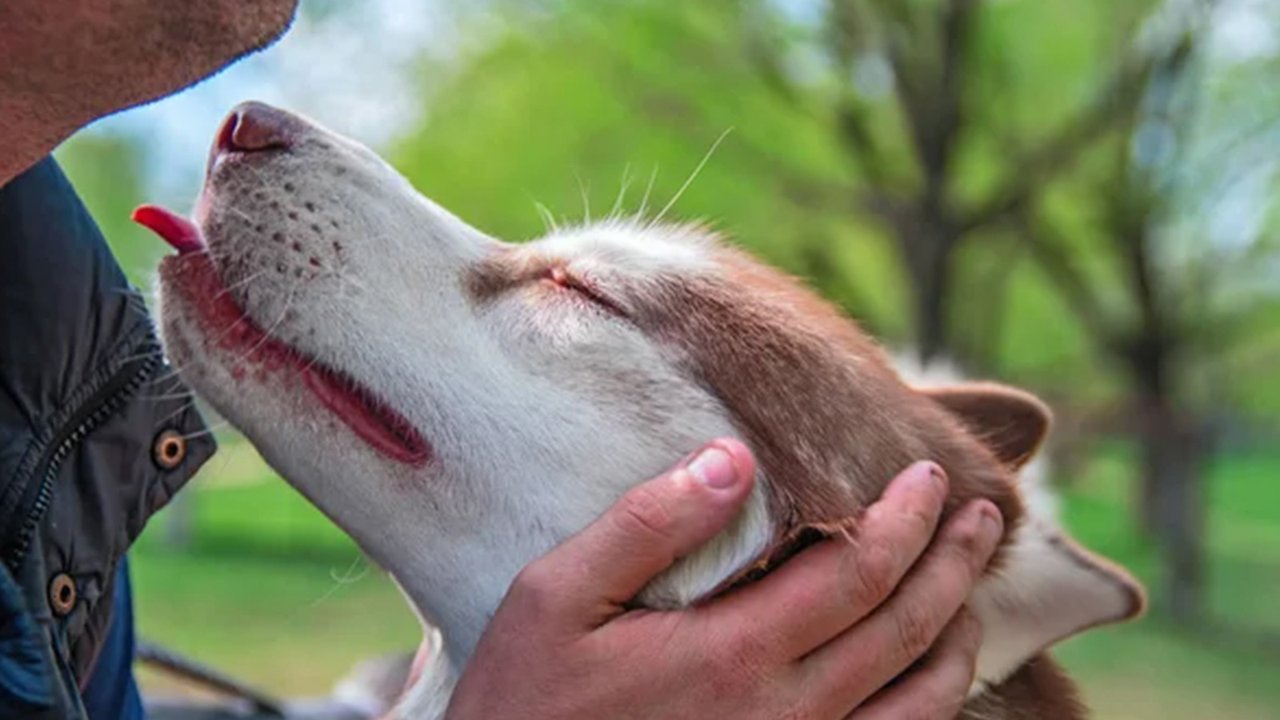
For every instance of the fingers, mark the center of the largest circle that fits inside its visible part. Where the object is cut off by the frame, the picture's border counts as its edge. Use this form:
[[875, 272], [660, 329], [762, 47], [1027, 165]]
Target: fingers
[[597, 570], [938, 688], [904, 628], [826, 589]]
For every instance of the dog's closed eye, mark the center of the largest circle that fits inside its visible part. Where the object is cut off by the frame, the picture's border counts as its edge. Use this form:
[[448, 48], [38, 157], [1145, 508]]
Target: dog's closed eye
[[560, 278]]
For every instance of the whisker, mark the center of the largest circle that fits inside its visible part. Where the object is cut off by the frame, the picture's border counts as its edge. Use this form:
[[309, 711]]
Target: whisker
[[625, 183], [227, 454], [239, 283], [243, 356], [176, 370], [701, 164], [241, 213], [208, 430], [345, 579], [648, 190], [345, 278], [266, 332], [167, 396], [549, 223], [586, 200], [181, 409]]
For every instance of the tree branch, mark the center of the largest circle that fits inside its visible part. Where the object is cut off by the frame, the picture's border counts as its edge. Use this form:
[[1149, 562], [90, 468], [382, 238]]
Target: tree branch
[[1051, 254], [846, 29], [1116, 101], [930, 93]]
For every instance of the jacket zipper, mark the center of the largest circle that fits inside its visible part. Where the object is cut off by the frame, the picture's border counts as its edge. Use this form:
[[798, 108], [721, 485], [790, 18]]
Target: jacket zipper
[[117, 393]]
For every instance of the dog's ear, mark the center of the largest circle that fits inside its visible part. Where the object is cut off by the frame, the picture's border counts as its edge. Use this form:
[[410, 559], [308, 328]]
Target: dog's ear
[[1010, 422], [1044, 589]]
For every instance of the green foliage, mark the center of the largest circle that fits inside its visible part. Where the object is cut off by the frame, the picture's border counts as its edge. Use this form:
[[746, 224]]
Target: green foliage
[[269, 580], [614, 103], [1147, 669], [579, 112], [104, 170], [567, 102]]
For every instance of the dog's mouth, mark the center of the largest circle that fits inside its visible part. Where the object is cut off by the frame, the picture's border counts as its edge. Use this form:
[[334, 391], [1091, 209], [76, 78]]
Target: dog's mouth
[[227, 324]]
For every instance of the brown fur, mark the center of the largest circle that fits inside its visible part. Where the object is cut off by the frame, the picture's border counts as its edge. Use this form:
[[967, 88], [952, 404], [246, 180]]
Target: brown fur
[[1009, 422], [828, 418], [1039, 690]]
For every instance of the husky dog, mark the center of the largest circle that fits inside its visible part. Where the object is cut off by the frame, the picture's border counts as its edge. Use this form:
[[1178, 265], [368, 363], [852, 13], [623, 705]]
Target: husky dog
[[459, 405]]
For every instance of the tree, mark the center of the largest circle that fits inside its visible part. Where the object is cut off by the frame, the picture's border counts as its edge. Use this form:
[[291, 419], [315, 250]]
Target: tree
[[929, 50], [943, 61], [938, 160], [1176, 319]]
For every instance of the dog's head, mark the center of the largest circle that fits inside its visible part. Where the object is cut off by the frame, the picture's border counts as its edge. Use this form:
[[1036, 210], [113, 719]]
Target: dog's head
[[460, 404]]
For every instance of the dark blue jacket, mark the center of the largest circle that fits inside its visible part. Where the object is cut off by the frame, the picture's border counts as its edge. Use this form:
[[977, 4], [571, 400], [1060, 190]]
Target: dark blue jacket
[[94, 435]]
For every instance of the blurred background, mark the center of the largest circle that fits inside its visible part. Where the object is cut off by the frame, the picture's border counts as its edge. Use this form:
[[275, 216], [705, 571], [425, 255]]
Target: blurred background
[[1075, 196]]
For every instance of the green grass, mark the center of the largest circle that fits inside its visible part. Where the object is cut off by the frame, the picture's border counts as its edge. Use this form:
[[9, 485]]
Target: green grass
[[1145, 669], [270, 591]]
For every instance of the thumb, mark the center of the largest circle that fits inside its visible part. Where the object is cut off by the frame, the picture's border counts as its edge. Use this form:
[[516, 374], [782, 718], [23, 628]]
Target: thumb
[[649, 528]]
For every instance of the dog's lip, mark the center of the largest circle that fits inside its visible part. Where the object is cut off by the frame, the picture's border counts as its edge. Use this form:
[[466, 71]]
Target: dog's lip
[[225, 323], [373, 420]]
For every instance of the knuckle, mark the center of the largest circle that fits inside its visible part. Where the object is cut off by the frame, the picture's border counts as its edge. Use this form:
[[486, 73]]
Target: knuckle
[[938, 701], [915, 628], [930, 709], [748, 662], [751, 646], [802, 708], [644, 513], [534, 584], [968, 547], [874, 570], [970, 633], [919, 518]]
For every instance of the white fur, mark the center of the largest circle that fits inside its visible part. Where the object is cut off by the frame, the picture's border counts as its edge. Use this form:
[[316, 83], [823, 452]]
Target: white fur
[[540, 409], [1041, 595], [516, 399]]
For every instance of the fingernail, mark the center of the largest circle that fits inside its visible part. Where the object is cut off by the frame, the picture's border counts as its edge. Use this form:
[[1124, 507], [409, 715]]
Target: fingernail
[[992, 522], [714, 468], [926, 475]]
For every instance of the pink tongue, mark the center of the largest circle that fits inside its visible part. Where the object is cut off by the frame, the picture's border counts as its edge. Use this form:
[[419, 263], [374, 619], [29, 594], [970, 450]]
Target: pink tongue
[[176, 230]]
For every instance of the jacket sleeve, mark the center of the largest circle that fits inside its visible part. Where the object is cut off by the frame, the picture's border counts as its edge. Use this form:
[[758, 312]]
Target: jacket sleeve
[[87, 402]]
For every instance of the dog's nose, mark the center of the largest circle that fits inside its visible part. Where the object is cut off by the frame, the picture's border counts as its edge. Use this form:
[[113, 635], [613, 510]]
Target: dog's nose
[[254, 127]]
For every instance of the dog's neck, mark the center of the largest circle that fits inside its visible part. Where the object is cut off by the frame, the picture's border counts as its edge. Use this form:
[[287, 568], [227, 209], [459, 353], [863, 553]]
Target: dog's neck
[[459, 597]]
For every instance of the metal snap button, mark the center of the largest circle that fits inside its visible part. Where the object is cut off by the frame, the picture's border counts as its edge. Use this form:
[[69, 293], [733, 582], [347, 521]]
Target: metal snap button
[[62, 594], [168, 450]]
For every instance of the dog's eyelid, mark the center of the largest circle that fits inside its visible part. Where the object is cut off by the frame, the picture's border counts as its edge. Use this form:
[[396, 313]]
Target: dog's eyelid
[[560, 276]]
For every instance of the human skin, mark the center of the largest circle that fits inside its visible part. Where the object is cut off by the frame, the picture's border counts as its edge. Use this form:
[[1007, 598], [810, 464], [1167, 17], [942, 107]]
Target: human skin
[[65, 63], [819, 638]]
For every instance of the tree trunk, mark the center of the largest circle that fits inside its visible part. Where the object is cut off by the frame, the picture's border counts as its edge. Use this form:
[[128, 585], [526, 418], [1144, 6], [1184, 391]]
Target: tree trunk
[[927, 249], [1172, 455]]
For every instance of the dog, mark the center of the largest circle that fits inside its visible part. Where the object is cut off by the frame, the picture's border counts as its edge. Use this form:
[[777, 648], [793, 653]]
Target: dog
[[459, 405]]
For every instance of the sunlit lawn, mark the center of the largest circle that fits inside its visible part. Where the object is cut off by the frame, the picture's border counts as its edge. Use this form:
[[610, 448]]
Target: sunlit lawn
[[269, 591], [1144, 670]]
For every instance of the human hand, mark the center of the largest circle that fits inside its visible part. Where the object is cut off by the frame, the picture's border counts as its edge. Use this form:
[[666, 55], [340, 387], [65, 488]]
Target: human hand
[[821, 637]]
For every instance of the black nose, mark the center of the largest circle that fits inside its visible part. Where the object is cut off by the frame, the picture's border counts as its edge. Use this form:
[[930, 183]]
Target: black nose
[[254, 127]]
